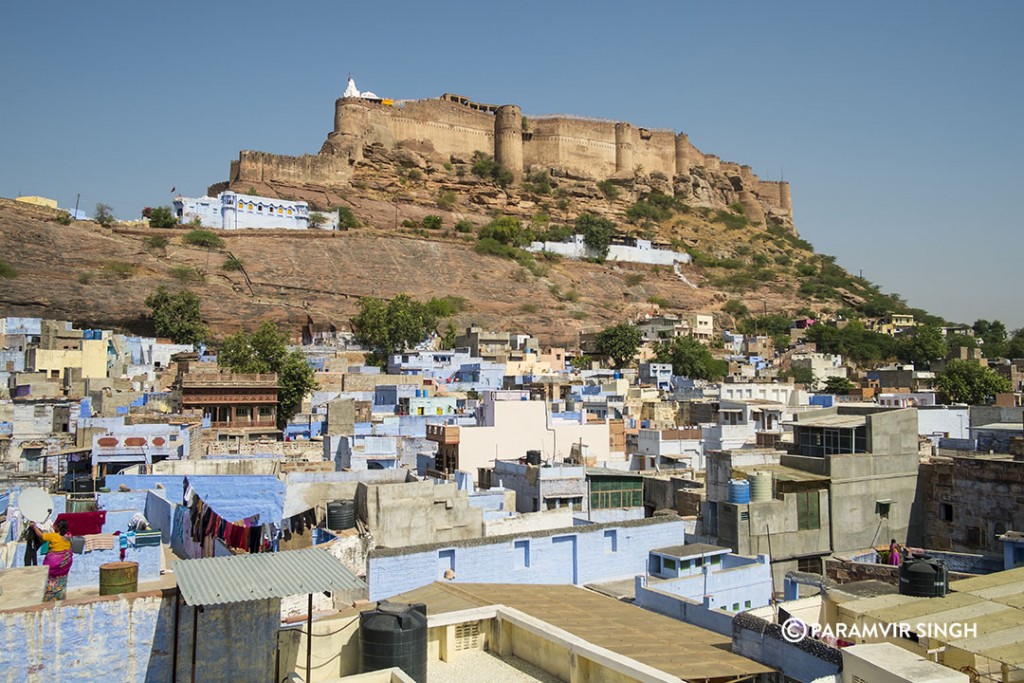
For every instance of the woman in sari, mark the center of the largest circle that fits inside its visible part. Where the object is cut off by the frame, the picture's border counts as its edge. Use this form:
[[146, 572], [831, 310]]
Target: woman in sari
[[58, 560]]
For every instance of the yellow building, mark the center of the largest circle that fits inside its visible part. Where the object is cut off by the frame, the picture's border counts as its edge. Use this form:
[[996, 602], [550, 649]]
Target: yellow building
[[91, 357], [38, 201]]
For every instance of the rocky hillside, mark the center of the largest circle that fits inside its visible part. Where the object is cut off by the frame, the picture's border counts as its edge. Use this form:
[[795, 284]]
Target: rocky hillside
[[101, 276]]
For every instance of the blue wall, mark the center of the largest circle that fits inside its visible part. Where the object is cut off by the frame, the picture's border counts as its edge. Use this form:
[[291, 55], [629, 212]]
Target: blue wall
[[131, 638], [173, 483], [85, 567], [805, 661], [578, 555], [690, 611], [735, 582]]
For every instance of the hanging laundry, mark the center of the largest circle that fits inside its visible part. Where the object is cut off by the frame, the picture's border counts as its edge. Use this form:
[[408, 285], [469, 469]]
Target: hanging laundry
[[84, 523]]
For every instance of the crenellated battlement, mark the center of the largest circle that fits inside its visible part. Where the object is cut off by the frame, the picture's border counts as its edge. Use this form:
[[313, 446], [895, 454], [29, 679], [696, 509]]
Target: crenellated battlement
[[456, 126]]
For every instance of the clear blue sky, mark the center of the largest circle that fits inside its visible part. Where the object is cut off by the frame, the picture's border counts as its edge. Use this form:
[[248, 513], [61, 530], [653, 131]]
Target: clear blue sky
[[899, 125]]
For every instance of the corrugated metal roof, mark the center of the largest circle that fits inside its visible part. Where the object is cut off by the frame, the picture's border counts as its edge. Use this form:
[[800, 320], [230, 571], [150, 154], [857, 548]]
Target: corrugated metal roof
[[219, 580]]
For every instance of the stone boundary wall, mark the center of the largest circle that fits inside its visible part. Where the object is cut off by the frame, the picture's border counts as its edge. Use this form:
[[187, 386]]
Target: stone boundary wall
[[43, 212], [842, 570], [291, 233]]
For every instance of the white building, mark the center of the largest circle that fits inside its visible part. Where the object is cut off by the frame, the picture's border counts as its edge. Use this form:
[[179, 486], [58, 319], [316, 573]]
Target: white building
[[642, 252], [233, 211], [822, 366]]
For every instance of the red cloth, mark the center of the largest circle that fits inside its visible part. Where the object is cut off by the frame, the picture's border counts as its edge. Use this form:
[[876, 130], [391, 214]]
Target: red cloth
[[83, 523]]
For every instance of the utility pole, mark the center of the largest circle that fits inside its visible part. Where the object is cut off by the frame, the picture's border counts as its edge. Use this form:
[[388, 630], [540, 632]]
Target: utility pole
[[77, 197]]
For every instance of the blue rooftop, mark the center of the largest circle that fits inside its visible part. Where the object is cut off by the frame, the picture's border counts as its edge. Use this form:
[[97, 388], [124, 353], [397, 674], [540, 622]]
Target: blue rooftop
[[235, 498]]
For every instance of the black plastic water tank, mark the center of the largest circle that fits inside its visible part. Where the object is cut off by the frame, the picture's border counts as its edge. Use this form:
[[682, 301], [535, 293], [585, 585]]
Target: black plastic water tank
[[533, 458], [341, 515], [924, 578], [394, 634]]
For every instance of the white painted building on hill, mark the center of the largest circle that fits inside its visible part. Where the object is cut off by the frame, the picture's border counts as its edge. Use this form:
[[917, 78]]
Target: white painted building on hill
[[233, 211], [642, 251]]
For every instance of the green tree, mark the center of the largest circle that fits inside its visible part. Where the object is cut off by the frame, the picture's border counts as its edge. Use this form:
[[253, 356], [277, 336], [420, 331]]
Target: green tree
[[264, 351], [506, 230], [316, 219], [955, 341], [736, 308], [964, 381], [177, 316], [203, 238], [104, 215], [1015, 347], [921, 345], [346, 219], [448, 338], [433, 222], [160, 217], [390, 326], [993, 336], [619, 343], [597, 233], [690, 358], [837, 385], [803, 375]]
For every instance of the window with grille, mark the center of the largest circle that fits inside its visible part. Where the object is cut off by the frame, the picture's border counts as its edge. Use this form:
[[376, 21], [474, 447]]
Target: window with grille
[[808, 514]]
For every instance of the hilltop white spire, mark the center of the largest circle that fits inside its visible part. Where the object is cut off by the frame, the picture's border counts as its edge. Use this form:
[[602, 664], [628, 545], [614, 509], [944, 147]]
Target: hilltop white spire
[[351, 90]]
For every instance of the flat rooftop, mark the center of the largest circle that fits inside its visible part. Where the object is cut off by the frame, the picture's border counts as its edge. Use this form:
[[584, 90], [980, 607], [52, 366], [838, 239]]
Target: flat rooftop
[[669, 645], [994, 603], [782, 472], [692, 550], [834, 420], [477, 665]]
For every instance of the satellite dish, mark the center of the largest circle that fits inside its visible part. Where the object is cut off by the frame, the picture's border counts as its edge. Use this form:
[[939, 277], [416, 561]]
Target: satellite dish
[[35, 505]]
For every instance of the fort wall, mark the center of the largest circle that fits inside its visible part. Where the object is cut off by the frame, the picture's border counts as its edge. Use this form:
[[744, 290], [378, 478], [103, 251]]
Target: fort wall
[[455, 126], [580, 146]]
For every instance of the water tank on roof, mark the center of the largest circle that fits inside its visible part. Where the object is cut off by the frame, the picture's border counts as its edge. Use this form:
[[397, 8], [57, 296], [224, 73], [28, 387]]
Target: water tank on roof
[[533, 458], [924, 578], [739, 491], [760, 486], [395, 635], [341, 515]]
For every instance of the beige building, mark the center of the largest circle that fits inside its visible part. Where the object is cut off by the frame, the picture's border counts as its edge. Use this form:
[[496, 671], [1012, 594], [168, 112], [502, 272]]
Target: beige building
[[509, 425]]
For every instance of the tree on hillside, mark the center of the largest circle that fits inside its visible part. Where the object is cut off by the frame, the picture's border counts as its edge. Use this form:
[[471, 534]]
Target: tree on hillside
[[690, 358], [965, 381], [837, 385], [1015, 347], [736, 308], [955, 341], [386, 327], [160, 216], [104, 215], [854, 342], [804, 375], [177, 316], [597, 233], [201, 237], [993, 336], [266, 350], [921, 345], [619, 343]]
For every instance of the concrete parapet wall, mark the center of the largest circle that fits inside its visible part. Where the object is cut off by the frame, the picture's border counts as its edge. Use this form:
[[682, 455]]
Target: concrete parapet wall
[[131, 638], [576, 555]]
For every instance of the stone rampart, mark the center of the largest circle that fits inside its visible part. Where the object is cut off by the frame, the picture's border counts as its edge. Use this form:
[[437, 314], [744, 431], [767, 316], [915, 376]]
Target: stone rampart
[[449, 127]]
